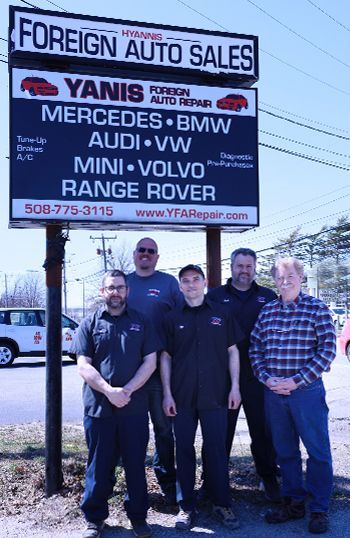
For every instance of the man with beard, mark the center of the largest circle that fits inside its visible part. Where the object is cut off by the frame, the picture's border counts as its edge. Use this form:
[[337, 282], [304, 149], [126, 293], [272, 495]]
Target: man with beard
[[245, 298], [116, 348], [154, 293]]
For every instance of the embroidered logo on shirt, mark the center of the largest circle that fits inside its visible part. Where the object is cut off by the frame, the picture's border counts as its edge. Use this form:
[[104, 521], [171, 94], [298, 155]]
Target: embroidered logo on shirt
[[261, 299], [152, 292], [215, 321], [135, 327]]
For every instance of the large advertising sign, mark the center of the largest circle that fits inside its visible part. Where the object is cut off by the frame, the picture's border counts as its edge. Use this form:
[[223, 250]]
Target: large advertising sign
[[133, 45], [115, 150]]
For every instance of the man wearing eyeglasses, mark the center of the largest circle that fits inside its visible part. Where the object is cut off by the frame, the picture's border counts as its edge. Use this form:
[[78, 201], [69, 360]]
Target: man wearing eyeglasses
[[155, 293], [293, 342], [116, 348]]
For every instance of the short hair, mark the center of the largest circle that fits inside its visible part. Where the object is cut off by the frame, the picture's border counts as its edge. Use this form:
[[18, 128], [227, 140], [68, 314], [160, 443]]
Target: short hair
[[191, 267], [113, 273], [245, 252], [147, 239], [284, 262]]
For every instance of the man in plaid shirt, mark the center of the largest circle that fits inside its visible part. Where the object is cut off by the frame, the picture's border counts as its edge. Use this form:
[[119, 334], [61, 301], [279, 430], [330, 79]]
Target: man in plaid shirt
[[293, 342]]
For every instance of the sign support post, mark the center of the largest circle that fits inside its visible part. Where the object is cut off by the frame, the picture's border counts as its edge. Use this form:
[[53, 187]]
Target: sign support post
[[53, 416], [213, 242]]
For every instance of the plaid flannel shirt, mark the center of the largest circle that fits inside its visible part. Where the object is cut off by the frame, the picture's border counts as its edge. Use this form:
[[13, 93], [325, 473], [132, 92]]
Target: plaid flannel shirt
[[295, 340]]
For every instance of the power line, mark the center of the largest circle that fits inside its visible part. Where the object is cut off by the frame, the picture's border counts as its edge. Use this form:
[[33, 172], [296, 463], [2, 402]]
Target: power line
[[297, 34], [305, 73], [29, 4], [304, 118], [56, 5], [307, 157], [303, 124], [304, 144], [328, 15], [265, 51]]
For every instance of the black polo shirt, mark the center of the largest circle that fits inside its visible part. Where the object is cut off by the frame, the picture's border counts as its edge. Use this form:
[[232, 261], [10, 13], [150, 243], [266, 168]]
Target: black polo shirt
[[197, 339], [116, 345], [245, 306]]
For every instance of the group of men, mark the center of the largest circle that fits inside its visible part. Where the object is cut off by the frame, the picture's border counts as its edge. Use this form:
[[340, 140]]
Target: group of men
[[168, 349]]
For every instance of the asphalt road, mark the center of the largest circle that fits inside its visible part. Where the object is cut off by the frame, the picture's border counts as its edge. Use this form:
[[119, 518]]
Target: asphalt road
[[22, 391]]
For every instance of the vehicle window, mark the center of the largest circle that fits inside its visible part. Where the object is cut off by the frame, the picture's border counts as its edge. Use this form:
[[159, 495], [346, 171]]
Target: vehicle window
[[22, 319], [2, 317], [68, 323], [15, 318], [42, 316]]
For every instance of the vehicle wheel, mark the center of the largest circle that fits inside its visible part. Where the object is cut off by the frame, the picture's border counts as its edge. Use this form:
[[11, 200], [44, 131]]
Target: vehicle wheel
[[348, 351], [22, 89], [7, 355], [32, 91], [238, 108]]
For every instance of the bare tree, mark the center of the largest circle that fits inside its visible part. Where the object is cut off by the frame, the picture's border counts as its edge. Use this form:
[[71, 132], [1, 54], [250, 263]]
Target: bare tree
[[33, 290], [122, 257]]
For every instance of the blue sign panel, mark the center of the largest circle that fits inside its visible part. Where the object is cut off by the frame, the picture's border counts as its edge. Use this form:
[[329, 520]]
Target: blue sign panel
[[114, 150]]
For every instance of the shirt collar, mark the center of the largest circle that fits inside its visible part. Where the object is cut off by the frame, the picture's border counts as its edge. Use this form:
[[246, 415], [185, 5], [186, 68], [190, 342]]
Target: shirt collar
[[293, 304]]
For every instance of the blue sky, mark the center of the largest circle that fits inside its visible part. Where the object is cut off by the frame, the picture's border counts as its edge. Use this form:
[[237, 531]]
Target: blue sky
[[304, 78]]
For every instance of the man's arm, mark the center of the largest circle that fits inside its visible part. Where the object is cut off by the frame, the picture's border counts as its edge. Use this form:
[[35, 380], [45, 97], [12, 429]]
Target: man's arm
[[234, 397], [143, 373], [169, 405], [116, 395]]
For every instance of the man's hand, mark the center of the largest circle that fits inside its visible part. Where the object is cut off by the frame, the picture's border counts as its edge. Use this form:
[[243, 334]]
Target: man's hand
[[282, 386], [118, 396], [234, 398], [169, 406]]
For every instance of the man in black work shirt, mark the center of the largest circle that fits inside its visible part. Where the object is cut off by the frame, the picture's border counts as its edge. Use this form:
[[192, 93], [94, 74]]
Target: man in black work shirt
[[200, 370], [116, 350], [245, 298]]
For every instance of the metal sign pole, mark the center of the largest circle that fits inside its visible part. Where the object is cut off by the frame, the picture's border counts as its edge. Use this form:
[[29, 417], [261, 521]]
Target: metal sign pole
[[213, 257], [53, 427]]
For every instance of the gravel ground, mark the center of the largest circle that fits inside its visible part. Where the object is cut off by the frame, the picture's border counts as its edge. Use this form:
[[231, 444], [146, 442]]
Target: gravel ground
[[56, 518]]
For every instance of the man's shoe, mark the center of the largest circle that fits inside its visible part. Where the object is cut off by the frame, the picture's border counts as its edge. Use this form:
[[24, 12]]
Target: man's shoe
[[93, 530], [141, 529], [184, 520], [288, 509], [225, 516], [271, 489], [318, 523]]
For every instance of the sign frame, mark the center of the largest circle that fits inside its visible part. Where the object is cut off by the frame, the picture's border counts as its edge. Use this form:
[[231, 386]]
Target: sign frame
[[215, 57]]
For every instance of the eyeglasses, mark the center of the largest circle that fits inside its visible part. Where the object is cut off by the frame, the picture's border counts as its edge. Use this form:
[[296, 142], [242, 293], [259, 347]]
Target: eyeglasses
[[142, 250], [119, 289]]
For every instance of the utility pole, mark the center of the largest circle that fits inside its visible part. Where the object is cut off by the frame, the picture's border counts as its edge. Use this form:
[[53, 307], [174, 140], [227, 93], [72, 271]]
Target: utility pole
[[103, 252]]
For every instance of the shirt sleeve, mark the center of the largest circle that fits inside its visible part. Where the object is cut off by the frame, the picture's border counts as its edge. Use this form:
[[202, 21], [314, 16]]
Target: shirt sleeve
[[152, 341], [83, 343], [236, 334], [257, 350], [325, 349]]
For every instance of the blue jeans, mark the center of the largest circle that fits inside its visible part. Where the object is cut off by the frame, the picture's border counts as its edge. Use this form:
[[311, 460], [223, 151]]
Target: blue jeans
[[109, 439], [302, 415], [164, 457]]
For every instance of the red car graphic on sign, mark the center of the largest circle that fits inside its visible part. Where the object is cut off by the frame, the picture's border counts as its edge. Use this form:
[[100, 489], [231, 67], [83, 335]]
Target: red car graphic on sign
[[232, 101], [38, 86]]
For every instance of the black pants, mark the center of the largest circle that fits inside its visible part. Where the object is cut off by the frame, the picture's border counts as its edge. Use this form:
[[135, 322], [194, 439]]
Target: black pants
[[252, 393]]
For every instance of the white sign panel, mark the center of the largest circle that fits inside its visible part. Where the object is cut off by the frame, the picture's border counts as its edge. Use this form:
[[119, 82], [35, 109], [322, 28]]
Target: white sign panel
[[95, 39]]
